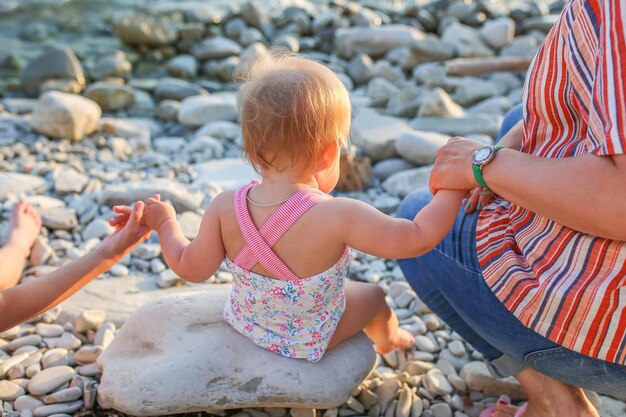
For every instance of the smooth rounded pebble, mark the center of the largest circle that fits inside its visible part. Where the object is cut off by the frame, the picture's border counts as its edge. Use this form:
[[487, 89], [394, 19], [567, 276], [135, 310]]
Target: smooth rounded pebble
[[50, 379], [64, 396], [26, 402], [9, 391], [61, 408]]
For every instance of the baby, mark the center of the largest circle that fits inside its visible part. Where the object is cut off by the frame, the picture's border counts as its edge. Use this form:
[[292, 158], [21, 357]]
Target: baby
[[286, 241]]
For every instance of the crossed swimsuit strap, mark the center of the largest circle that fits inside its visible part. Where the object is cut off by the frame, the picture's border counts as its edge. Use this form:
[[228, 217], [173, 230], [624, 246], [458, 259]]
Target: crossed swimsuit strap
[[259, 242]]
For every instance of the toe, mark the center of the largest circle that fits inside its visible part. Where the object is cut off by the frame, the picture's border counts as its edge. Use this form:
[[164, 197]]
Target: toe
[[22, 207]]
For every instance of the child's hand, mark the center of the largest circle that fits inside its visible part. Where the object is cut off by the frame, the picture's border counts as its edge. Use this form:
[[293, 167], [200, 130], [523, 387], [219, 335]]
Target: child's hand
[[129, 232], [157, 212]]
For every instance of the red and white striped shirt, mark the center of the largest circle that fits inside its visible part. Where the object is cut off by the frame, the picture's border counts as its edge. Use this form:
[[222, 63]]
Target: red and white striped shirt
[[564, 284]]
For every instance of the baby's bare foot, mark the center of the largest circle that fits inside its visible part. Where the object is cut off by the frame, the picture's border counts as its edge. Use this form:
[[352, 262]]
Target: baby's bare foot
[[24, 227], [403, 339]]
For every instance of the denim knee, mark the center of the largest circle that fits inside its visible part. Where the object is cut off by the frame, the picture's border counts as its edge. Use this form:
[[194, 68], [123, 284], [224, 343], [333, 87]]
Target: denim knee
[[413, 203]]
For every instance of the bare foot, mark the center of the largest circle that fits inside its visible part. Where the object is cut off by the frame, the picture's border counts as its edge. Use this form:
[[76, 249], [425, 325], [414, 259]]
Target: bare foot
[[403, 339], [24, 227], [549, 397]]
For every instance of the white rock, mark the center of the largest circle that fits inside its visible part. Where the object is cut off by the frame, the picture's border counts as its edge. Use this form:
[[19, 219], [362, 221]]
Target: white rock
[[99, 228], [30, 340], [457, 348], [237, 374], [62, 115], [14, 360], [420, 147], [437, 383], [441, 410], [9, 391], [437, 103], [87, 354], [169, 278], [15, 183], [190, 223], [26, 402], [227, 173], [68, 341], [466, 41], [64, 396], [59, 218], [197, 110], [105, 335], [376, 41], [110, 95], [141, 29], [387, 167], [477, 377], [89, 320], [55, 357], [215, 48], [50, 379], [170, 190], [119, 270], [424, 344], [61, 408], [462, 126], [404, 182], [498, 32], [376, 134], [380, 90], [49, 330], [68, 180], [184, 66]]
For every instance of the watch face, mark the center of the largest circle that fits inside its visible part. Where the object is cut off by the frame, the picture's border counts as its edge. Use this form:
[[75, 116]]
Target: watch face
[[482, 155]]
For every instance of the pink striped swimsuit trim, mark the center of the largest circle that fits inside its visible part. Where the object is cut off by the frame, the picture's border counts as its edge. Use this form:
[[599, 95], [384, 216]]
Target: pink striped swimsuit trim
[[259, 242]]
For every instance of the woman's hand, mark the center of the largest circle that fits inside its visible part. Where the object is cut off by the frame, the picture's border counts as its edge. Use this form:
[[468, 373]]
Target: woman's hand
[[128, 233], [453, 167]]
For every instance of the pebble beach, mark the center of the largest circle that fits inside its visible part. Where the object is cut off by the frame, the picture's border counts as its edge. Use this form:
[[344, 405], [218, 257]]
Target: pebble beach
[[105, 103]]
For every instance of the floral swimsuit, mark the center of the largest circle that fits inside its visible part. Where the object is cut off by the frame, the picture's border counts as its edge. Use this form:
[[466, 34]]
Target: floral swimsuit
[[294, 317]]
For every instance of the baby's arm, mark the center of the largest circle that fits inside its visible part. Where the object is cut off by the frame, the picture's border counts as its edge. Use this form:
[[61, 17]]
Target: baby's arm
[[193, 261], [370, 231]]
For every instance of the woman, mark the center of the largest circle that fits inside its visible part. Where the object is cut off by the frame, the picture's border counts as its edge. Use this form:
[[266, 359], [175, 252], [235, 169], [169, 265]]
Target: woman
[[20, 303], [537, 280]]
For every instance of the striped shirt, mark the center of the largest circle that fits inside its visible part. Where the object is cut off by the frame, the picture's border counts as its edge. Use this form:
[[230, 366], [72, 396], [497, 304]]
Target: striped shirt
[[564, 284]]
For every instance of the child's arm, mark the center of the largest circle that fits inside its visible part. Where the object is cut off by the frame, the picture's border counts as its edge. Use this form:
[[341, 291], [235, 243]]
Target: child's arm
[[368, 230], [27, 300], [194, 261]]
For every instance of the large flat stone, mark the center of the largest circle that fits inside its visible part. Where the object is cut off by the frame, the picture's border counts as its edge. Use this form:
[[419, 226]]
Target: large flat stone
[[120, 297], [376, 134], [175, 192], [15, 183], [178, 355]]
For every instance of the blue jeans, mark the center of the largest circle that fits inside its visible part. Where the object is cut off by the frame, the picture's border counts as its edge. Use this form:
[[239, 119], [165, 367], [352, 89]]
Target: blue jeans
[[449, 280]]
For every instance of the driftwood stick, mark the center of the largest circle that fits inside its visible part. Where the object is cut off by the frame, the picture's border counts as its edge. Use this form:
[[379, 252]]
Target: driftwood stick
[[477, 66]]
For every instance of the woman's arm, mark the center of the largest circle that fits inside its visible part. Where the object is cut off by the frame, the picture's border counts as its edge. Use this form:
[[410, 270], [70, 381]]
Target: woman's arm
[[27, 300], [586, 193]]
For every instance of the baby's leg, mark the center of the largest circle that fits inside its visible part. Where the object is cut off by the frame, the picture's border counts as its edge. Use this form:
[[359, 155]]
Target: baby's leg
[[367, 310]]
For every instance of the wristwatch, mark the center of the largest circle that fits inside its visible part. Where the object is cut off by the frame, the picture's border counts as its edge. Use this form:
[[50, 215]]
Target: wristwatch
[[481, 157]]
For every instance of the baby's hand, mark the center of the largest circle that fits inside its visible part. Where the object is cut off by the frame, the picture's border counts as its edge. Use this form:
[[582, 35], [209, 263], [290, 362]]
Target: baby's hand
[[129, 231], [157, 212]]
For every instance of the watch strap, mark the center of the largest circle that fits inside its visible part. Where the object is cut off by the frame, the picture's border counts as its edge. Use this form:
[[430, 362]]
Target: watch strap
[[478, 170]]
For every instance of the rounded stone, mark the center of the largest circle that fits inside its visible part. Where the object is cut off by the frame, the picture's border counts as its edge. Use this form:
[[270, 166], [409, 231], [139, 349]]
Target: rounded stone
[[49, 379], [90, 319], [137, 367], [9, 391]]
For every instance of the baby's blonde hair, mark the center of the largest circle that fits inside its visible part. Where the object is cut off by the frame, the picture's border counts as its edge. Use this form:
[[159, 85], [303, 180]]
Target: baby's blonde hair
[[292, 108]]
